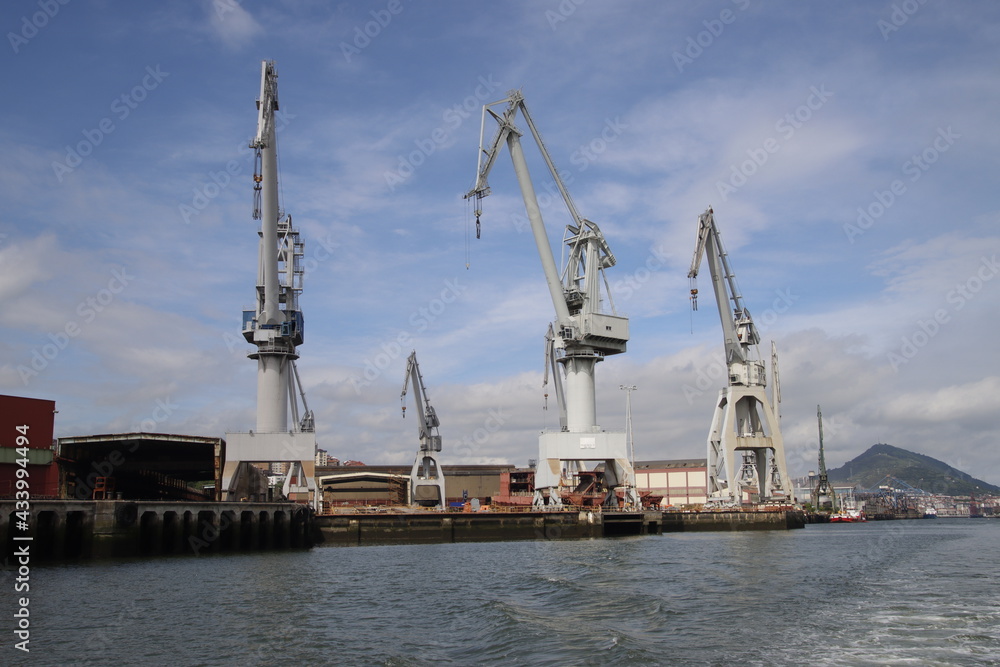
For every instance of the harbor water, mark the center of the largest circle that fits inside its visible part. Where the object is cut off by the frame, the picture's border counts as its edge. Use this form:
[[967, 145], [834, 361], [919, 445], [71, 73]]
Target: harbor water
[[879, 593]]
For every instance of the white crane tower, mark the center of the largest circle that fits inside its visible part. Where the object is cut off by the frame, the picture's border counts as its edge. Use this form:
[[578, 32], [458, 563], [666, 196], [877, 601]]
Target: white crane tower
[[426, 477], [582, 334], [744, 420], [275, 327]]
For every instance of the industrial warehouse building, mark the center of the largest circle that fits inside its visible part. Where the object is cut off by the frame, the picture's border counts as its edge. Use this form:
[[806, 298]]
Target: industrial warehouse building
[[160, 466], [388, 485], [681, 482], [26, 443], [146, 466]]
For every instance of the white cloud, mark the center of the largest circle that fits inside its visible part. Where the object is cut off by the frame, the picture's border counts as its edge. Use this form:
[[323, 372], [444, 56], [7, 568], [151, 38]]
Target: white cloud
[[231, 23]]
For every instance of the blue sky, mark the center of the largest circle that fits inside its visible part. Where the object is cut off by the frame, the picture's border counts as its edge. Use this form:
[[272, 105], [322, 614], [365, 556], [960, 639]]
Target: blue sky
[[849, 152]]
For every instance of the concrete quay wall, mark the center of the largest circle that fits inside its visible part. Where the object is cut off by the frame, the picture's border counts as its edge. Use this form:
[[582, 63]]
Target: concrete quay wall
[[436, 527], [674, 522], [84, 529], [59, 530], [429, 528]]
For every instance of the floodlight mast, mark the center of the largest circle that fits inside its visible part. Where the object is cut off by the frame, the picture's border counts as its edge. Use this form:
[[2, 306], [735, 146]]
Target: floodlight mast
[[744, 418], [582, 331]]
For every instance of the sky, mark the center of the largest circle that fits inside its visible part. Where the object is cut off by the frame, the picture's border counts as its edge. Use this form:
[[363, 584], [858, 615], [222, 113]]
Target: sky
[[849, 151]]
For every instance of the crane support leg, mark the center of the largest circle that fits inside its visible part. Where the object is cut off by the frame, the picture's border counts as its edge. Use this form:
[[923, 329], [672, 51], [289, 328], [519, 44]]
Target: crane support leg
[[744, 422], [718, 473], [426, 481]]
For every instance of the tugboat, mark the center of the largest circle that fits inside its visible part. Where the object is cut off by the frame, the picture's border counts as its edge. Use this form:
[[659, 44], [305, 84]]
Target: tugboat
[[848, 513], [848, 516]]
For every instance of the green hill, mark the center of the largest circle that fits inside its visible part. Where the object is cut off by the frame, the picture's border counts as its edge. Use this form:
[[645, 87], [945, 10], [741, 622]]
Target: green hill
[[918, 470]]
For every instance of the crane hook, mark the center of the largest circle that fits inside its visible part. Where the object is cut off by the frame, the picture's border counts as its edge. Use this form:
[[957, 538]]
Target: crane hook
[[257, 178], [478, 227]]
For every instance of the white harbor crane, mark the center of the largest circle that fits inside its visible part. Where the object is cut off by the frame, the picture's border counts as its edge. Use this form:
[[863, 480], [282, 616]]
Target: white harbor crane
[[744, 421], [275, 327], [582, 333], [426, 477]]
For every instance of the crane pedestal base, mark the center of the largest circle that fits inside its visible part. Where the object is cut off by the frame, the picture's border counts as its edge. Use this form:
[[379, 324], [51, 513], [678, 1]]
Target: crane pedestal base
[[427, 481], [563, 455], [296, 448], [742, 408]]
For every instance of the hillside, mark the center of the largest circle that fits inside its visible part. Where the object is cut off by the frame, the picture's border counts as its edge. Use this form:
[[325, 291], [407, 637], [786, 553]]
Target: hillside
[[918, 470]]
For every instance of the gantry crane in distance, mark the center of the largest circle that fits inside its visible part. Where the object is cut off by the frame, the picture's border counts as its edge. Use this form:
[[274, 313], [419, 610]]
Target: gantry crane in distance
[[582, 333], [744, 421], [275, 327], [823, 496], [426, 477]]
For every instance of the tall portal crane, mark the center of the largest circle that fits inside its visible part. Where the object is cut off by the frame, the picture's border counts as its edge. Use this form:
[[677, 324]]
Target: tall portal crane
[[274, 326], [582, 333], [744, 420], [823, 496], [426, 477]]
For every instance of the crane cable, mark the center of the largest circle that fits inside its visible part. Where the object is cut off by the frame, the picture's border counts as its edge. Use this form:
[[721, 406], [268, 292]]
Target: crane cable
[[467, 248], [468, 245]]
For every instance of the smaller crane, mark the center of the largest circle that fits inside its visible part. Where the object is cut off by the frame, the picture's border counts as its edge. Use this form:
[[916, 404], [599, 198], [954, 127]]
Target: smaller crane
[[426, 477], [823, 488]]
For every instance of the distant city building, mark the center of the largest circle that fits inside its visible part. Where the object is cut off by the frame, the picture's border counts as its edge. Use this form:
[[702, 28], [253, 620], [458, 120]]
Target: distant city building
[[322, 458]]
